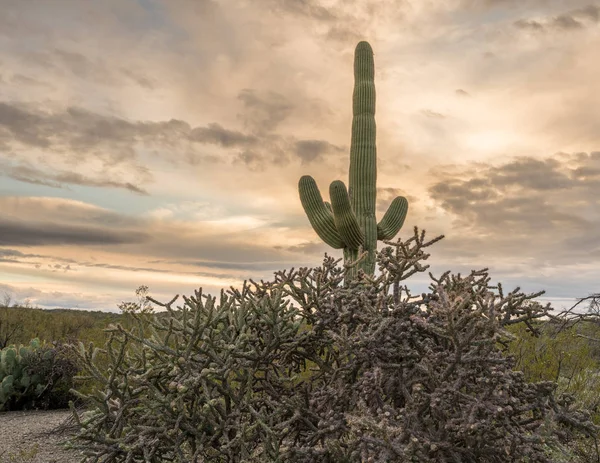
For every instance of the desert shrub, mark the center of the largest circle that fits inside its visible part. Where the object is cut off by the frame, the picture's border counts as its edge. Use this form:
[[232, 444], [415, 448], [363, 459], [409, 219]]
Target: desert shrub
[[38, 376], [310, 368], [564, 350], [58, 365]]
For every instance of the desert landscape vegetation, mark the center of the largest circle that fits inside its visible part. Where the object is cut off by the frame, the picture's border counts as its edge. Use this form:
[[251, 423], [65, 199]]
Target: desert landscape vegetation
[[377, 353]]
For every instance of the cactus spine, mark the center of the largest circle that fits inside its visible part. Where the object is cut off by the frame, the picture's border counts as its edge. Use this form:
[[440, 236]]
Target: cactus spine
[[349, 222]]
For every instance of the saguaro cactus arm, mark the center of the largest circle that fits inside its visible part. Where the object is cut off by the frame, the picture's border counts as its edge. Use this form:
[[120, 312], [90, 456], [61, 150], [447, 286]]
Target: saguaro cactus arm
[[319, 213], [349, 221], [344, 217], [393, 219]]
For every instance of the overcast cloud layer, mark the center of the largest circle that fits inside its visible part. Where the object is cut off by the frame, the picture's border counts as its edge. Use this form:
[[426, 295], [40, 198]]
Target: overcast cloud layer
[[160, 143]]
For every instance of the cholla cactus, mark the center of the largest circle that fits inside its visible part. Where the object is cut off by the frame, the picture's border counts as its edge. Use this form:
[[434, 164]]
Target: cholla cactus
[[349, 222], [306, 369]]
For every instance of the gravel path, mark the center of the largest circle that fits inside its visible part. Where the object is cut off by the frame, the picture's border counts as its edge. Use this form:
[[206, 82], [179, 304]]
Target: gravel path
[[23, 439]]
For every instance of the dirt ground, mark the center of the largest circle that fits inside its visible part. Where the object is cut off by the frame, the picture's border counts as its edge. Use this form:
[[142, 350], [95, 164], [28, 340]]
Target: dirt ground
[[24, 439]]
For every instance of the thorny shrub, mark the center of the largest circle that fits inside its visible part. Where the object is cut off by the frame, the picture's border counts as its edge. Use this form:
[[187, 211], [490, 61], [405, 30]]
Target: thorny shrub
[[308, 368]]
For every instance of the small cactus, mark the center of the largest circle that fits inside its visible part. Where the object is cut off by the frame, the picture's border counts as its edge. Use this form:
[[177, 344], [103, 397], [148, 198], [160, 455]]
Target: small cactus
[[19, 382], [349, 222]]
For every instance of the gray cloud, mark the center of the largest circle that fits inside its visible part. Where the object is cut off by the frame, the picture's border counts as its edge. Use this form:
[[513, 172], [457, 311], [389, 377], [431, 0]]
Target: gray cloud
[[571, 20], [216, 134], [74, 134], [486, 4], [13, 256], [528, 24], [60, 179], [253, 160], [80, 65], [25, 126], [77, 132], [547, 208], [20, 233], [264, 111], [277, 150], [69, 212], [59, 268], [344, 34], [532, 174], [129, 268], [565, 21], [78, 179], [338, 23], [310, 9], [585, 172], [82, 131], [590, 11], [313, 150], [11, 253], [50, 222]]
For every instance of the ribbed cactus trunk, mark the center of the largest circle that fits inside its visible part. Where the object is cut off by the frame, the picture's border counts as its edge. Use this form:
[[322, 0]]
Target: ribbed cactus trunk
[[363, 157], [349, 222]]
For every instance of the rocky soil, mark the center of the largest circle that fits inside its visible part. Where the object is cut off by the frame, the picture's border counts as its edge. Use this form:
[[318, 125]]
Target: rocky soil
[[33, 437]]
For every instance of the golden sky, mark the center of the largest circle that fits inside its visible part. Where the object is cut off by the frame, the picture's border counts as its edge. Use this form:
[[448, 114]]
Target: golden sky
[[160, 143]]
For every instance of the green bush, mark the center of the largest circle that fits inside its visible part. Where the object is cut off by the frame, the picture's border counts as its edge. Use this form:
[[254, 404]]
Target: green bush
[[566, 353]]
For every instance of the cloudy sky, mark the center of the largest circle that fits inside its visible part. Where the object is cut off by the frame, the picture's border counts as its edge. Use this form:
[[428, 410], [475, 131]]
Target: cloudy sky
[[160, 142]]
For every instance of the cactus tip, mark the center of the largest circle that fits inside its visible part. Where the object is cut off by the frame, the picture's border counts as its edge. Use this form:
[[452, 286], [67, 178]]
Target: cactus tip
[[364, 45]]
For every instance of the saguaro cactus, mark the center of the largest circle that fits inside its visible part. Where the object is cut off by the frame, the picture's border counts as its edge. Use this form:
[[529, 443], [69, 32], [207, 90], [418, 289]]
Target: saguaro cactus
[[349, 221]]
